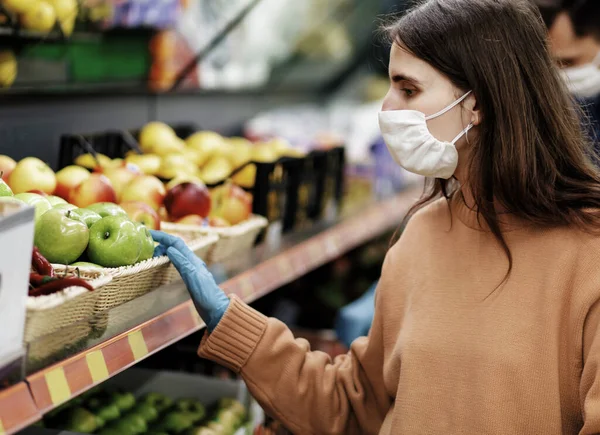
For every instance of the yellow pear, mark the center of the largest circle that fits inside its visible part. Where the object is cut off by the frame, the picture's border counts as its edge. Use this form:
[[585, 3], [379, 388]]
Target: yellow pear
[[207, 142], [19, 6], [264, 153], [279, 145], [217, 169], [169, 146], [292, 152], [240, 151], [8, 68], [40, 17], [173, 165], [66, 13], [246, 177], [155, 133], [149, 164], [114, 163], [88, 161], [193, 155]]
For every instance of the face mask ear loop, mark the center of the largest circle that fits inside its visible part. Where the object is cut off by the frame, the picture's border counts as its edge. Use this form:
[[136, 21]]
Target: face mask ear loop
[[450, 107], [462, 133]]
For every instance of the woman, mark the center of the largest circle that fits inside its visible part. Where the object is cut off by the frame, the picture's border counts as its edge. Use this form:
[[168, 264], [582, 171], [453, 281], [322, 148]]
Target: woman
[[487, 313]]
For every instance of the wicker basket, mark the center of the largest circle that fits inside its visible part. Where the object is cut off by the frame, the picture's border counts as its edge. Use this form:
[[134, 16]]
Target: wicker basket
[[201, 245], [50, 313], [232, 240]]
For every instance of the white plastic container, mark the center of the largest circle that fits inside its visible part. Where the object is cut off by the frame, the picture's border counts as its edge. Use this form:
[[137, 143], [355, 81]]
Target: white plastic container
[[16, 245]]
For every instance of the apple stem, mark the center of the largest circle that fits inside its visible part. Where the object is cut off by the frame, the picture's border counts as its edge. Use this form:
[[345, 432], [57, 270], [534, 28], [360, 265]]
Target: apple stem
[[1, 174], [68, 213]]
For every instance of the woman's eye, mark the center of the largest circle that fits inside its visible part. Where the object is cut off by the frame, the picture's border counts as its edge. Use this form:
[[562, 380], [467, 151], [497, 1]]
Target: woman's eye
[[408, 92]]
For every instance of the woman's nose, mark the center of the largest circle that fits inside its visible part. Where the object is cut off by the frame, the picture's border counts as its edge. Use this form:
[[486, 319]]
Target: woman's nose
[[391, 102]]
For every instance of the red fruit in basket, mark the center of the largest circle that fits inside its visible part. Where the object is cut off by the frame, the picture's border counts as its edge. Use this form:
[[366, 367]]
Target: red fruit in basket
[[188, 198], [191, 219], [120, 176], [96, 188], [141, 212], [68, 178], [232, 203]]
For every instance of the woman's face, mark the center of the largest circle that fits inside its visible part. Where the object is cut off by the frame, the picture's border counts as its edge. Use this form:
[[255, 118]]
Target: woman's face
[[416, 85]]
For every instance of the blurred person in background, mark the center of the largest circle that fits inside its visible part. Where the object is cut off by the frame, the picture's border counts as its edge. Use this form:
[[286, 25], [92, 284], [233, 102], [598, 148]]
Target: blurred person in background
[[487, 313], [574, 32]]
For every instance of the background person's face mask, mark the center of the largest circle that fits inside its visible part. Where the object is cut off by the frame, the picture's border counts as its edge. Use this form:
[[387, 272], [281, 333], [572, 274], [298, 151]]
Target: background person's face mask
[[412, 145], [584, 81]]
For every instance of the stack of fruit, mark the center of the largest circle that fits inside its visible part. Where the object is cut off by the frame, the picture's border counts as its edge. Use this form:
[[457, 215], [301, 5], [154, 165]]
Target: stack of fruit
[[102, 233], [42, 15], [204, 156], [119, 413]]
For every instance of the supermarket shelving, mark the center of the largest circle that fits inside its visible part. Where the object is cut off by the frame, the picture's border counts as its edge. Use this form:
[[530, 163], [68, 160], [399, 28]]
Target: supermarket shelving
[[142, 327]]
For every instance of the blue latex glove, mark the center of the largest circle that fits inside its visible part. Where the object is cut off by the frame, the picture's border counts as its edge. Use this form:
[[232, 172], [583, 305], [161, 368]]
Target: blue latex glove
[[354, 320], [210, 301]]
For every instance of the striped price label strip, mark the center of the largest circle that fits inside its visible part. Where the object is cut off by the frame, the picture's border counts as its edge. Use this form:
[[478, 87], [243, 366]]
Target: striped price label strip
[[59, 383], [17, 408]]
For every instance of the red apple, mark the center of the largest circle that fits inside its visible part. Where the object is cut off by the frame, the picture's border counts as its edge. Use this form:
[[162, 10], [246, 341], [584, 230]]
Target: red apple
[[232, 203], [120, 176], [145, 188], [96, 188], [6, 166], [191, 219], [141, 212], [188, 198], [68, 178]]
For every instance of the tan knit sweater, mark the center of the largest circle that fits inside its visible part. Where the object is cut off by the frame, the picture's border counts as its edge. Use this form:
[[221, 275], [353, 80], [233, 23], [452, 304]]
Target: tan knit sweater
[[446, 354]]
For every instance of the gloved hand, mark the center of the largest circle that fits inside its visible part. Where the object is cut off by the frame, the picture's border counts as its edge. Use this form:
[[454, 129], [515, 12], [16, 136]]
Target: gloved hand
[[210, 301]]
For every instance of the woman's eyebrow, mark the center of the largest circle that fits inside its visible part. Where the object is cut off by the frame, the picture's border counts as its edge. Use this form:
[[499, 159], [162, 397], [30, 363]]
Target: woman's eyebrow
[[403, 77]]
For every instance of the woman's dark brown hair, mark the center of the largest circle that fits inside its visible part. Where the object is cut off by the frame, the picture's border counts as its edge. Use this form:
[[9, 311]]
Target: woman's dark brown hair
[[531, 157]]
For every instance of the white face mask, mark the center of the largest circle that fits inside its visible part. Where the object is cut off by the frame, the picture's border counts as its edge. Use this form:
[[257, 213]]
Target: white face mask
[[584, 81], [414, 148]]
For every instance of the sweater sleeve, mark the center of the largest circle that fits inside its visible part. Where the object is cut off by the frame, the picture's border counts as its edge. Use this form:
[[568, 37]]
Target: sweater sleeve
[[590, 377], [306, 390]]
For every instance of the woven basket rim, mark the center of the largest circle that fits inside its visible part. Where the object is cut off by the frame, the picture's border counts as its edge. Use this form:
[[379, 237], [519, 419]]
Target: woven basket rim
[[254, 221]]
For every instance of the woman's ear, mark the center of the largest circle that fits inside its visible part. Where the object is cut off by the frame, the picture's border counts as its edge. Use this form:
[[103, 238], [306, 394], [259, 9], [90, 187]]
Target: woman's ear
[[470, 105]]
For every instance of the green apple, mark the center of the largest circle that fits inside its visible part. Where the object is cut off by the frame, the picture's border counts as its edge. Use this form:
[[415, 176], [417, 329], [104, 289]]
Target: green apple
[[60, 238], [65, 206], [86, 216], [105, 209], [114, 242], [4, 189], [55, 200], [41, 204], [147, 242]]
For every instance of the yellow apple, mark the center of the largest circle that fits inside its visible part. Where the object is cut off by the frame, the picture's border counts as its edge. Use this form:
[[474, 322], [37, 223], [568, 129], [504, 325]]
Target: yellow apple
[[231, 202], [145, 188], [32, 174], [7, 165], [148, 163], [68, 178], [155, 133], [121, 176]]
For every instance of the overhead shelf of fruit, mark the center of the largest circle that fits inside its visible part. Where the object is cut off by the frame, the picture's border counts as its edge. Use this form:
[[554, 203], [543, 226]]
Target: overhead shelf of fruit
[[172, 315]]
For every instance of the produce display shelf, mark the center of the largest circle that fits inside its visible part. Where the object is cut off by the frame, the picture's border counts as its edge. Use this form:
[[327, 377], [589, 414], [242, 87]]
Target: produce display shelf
[[142, 327], [17, 409]]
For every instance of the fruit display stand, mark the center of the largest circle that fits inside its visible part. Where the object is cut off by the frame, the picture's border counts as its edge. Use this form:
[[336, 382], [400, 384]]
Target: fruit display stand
[[142, 327], [46, 314], [231, 241]]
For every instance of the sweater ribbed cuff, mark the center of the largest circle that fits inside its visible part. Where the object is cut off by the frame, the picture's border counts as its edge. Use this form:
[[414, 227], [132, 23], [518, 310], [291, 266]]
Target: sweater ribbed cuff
[[235, 337]]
